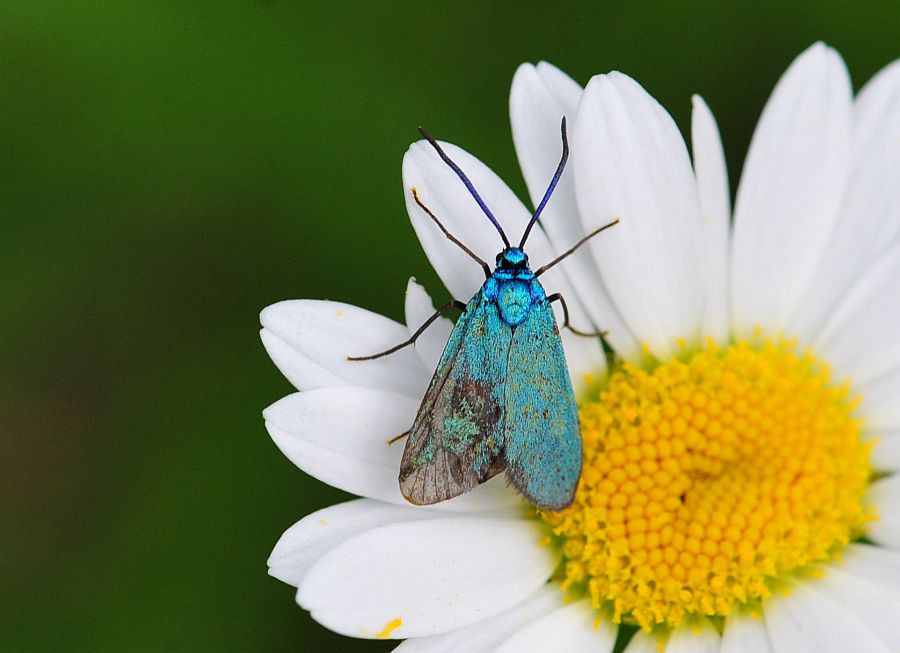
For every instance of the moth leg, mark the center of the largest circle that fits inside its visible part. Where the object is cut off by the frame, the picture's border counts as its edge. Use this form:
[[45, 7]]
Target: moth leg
[[574, 248], [566, 325], [398, 437], [453, 239], [443, 309]]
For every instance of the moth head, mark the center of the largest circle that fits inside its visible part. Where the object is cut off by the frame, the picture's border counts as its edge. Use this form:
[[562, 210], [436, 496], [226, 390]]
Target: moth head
[[512, 258]]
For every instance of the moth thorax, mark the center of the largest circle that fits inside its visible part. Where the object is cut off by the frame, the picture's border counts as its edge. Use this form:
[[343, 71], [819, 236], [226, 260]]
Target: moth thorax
[[514, 300]]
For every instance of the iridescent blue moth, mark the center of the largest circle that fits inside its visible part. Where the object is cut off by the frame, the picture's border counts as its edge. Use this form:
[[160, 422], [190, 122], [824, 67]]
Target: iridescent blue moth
[[501, 397]]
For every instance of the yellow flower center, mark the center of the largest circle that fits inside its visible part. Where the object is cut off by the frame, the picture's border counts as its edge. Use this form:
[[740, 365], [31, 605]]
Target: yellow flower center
[[707, 479]]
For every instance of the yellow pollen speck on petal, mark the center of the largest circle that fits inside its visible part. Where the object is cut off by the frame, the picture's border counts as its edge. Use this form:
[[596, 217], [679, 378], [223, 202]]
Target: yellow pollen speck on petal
[[391, 626], [708, 478]]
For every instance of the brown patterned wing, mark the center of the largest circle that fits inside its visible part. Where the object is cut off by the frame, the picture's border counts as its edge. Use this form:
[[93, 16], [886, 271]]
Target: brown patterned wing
[[457, 439]]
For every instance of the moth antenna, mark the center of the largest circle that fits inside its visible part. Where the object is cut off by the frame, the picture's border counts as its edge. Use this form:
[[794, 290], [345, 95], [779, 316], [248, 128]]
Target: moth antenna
[[553, 182], [453, 239], [465, 180], [574, 248]]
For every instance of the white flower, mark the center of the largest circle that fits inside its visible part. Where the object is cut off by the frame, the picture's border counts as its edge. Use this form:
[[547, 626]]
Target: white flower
[[724, 509]]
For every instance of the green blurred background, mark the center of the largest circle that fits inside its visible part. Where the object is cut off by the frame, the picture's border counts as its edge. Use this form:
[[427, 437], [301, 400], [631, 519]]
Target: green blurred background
[[170, 168]]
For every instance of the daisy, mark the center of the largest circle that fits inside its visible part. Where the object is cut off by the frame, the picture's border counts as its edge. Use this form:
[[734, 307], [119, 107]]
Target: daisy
[[737, 491]]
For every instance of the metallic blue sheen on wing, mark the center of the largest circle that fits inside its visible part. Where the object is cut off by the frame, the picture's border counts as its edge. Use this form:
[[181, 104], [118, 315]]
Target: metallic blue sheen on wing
[[500, 398], [543, 434]]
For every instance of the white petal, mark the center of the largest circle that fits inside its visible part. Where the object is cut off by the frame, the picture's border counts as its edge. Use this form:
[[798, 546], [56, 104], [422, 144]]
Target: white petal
[[430, 344], [560, 86], [540, 96], [630, 162], [790, 190], [339, 435], [886, 453], [870, 213], [314, 535], [875, 102], [535, 112], [874, 605], [715, 211], [570, 628], [874, 563], [447, 197], [880, 407], [860, 340], [699, 638], [884, 495], [433, 576], [486, 635], [643, 643], [745, 634], [585, 358], [808, 622], [310, 340]]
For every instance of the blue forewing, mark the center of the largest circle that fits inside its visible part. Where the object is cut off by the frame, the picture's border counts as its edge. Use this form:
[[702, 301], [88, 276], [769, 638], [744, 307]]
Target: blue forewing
[[543, 434]]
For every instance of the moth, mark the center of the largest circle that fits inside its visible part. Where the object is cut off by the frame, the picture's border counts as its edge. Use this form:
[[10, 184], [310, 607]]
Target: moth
[[501, 398]]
